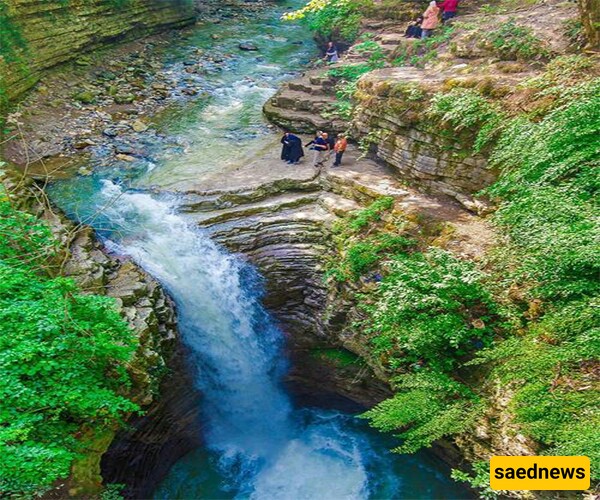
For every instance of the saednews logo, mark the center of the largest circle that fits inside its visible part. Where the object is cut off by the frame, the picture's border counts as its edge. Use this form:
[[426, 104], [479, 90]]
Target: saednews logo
[[540, 473]]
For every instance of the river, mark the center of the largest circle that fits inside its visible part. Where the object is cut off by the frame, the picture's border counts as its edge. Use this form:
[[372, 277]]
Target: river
[[257, 444]]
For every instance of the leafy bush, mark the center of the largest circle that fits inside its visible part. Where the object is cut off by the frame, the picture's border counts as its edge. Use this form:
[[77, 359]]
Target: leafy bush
[[332, 18], [63, 358], [479, 480], [514, 42], [468, 109], [428, 406], [430, 309], [553, 366]]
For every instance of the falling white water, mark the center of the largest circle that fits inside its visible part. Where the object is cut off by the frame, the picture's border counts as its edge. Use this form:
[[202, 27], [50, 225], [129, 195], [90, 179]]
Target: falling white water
[[265, 450]]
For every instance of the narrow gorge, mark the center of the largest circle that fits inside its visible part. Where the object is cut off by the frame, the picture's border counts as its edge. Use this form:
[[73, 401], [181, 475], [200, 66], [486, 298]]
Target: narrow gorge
[[271, 305]]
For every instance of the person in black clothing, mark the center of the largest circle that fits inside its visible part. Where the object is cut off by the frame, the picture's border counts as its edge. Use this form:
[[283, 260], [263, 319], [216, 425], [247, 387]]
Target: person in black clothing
[[414, 29], [291, 151], [285, 147]]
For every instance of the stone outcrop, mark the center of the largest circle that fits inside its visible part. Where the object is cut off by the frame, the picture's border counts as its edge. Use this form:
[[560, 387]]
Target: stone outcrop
[[280, 218], [394, 124], [39, 34], [306, 104]]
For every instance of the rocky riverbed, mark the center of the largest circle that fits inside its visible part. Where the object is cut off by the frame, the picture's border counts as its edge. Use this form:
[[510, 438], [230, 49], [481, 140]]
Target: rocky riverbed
[[102, 106]]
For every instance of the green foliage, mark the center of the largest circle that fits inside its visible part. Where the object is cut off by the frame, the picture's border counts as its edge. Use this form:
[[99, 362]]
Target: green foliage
[[468, 109], [553, 367], [63, 358], [374, 51], [12, 38], [430, 309], [372, 213], [359, 251], [514, 42], [333, 18], [340, 357], [550, 259], [112, 491], [428, 406], [479, 480], [350, 72], [360, 256]]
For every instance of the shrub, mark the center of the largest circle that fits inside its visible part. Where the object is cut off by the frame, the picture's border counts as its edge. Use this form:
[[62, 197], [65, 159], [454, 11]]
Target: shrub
[[468, 109], [514, 42], [329, 18], [63, 359], [430, 309], [428, 406]]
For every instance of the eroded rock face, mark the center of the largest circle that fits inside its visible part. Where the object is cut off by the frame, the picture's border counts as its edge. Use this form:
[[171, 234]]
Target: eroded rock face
[[399, 133], [141, 455], [46, 33]]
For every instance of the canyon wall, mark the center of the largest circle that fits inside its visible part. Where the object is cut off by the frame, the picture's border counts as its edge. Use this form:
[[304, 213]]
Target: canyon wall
[[391, 120], [39, 34]]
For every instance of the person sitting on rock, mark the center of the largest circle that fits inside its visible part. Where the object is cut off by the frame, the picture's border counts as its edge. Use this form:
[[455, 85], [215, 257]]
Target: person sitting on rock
[[319, 146], [448, 8], [341, 144], [414, 28], [431, 19], [331, 54]]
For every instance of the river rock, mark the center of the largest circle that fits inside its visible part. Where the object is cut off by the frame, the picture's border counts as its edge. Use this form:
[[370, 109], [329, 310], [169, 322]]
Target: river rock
[[123, 157], [139, 126], [110, 132], [247, 46]]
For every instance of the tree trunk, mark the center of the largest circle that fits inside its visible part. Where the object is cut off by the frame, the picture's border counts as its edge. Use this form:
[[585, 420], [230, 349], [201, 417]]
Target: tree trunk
[[590, 16]]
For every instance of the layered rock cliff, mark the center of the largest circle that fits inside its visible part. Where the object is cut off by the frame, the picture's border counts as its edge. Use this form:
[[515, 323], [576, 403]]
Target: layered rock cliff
[[38, 35]]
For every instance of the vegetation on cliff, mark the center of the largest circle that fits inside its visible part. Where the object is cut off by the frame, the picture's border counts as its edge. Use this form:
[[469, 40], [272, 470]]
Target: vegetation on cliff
[[64, 358], [448, 331]]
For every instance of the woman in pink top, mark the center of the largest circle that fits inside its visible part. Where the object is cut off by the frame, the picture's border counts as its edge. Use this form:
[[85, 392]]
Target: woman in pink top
[[431, 19], [448, 9]]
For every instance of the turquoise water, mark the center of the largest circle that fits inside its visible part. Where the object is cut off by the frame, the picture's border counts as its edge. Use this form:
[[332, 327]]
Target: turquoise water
[[257, 444]]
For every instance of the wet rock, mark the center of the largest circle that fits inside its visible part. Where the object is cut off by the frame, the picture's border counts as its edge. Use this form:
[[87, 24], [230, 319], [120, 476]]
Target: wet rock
[[85, 97], [247, 46], [83, 143], [110, 132], [139, 126], [123, 157], [125, 149]]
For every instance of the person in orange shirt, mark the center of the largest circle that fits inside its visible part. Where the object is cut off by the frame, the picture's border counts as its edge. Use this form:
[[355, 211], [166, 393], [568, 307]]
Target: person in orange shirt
[[340, 146]]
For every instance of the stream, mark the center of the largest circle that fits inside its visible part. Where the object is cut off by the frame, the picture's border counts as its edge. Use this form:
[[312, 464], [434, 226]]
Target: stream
[[257, 444]]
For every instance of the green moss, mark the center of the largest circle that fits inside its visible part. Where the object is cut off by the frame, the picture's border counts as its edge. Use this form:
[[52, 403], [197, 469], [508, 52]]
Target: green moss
[[340, 357]]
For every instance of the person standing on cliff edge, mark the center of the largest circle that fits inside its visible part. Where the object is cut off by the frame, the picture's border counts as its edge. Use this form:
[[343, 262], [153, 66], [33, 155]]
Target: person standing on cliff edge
[[294, 148], [319, 146], [340, 146]]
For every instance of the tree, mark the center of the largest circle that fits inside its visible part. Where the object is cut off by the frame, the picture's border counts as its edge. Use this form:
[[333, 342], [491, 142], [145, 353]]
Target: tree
[[590, 16]]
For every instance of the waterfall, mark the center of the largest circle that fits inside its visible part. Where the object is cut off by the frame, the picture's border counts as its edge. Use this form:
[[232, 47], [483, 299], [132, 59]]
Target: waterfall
[[265, 448]]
